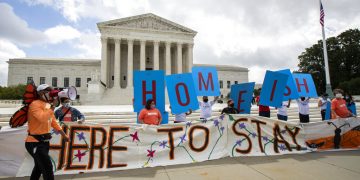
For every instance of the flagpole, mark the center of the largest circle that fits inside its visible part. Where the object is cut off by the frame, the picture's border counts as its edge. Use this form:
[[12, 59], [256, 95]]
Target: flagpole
[[327, 74]]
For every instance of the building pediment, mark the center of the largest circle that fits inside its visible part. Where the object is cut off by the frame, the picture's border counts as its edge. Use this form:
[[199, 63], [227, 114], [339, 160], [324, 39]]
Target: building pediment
[[146, 22]]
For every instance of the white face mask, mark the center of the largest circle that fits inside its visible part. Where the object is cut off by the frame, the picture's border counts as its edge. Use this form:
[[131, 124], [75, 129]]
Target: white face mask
[[67, 105], [152, 106], [338, 95], [46, 97]]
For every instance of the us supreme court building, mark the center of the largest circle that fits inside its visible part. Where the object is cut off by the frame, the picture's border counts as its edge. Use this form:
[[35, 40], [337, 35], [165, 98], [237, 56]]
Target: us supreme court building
[[143, 42]]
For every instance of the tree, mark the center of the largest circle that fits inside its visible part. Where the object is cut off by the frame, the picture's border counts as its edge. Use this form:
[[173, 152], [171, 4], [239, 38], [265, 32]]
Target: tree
[[344, 59], [12, 92]]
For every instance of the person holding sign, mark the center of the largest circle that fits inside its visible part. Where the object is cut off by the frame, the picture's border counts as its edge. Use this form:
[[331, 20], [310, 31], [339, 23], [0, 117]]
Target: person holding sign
[[338, 106], [150, 115], [282, 111], [264, 111], [206, 107], [179, 118], [303, 105], [322, 103], [230, 109]]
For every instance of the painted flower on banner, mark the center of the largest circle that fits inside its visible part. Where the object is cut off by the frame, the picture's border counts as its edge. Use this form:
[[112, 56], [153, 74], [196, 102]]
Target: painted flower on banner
[[242, 125], [150, 153], [135, 136], [216, 123], [188, 124], [183, 138], [163, 144], [79, 155], [253, 134], [265, 138], [222, 129], [222, 116], [81, 136], [238, 142], [282, 147]]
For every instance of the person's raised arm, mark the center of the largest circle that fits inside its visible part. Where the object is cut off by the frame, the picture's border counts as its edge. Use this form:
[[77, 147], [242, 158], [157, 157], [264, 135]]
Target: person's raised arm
[[289, 102], [188, 113]]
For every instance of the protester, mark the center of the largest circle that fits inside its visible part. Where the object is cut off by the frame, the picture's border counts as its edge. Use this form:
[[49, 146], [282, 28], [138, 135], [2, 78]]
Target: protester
[[303, 104], [150, 115], [322, 103], [179, 118], [230, 108], [206, 107], [40, 119], [253, 99], [350, 103], [263, 110], [66, 113], [338, 106], [282, 111]]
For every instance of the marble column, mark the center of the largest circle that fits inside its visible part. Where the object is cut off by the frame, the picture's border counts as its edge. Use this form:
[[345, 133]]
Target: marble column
[[104, 56], [168, 58], [142, 54], [179, 58], [130, 63], [156, 55], [190, 56], [117, 64]]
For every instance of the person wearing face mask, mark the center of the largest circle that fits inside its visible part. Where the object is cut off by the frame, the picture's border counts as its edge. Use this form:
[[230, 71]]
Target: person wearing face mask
[[303, 104], [40, 120], [282, 111], [66, 113], [150, 115], [350, 103], [322, 103], [206, 107], [338, 106], [181, 117], [230, 108]]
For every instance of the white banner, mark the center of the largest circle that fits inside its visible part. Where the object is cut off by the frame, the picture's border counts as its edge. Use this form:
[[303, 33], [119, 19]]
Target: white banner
[[257, 136], [127, 146]]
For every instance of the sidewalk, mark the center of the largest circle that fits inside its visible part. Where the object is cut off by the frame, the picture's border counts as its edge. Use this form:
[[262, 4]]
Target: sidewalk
[[324, 165]]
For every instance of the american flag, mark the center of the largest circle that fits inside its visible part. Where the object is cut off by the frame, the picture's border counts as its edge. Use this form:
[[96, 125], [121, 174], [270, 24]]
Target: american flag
[[322, 14]]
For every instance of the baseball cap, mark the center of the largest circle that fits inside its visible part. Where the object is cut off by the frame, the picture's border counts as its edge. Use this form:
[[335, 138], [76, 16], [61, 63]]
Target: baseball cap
[[42, 87]]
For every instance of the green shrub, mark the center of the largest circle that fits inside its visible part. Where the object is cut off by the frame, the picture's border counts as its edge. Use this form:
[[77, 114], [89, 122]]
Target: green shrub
[[352, 86], [12, 92]]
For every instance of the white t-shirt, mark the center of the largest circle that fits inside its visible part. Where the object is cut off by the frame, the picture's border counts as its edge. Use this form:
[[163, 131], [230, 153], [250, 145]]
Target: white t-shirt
[[303, 106], [206, 109], [180, 117], [324, 103], [283, 109]]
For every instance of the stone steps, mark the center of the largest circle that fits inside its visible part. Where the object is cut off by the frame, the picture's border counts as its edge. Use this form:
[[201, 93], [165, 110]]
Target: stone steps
[[130, 117]]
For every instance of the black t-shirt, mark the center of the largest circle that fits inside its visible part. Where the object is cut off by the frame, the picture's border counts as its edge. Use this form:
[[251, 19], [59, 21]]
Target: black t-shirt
[[229, 110]]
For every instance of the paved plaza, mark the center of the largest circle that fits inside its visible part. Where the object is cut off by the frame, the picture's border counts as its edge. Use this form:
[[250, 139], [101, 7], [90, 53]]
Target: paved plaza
[[318, 165]]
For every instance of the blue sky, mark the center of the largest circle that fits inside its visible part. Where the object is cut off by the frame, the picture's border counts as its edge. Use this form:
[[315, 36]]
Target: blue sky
[[257, 34]]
